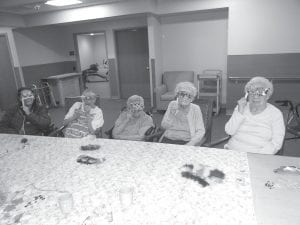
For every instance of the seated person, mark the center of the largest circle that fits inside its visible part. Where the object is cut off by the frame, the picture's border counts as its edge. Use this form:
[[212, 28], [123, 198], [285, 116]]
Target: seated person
[[83, 118], [256, 126], [26, 117], [183, 120], [132, 122]]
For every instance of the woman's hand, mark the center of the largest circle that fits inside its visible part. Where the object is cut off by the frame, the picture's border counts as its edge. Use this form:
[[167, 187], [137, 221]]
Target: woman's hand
[[241, 105]]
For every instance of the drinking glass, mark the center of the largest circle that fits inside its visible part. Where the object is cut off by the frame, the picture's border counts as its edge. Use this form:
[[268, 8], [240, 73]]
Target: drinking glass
[[65, 202], [126, 197]]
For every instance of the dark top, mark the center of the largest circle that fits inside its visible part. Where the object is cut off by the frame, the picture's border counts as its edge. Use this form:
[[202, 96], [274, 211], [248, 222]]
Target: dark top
[[15, 121]]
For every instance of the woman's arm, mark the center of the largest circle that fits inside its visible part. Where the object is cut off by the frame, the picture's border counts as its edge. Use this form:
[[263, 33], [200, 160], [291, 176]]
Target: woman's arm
[[199, 125], [40, 118], [278, 133], [234, 122], [120, 124], [169, 116], [72, 114]]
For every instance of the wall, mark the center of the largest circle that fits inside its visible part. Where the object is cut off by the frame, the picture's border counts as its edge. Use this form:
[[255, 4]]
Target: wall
[[108, 27], [43, 51], [15, 59], [195, 41], [155, 54], [265, 44], [100, 46], [86, 49]]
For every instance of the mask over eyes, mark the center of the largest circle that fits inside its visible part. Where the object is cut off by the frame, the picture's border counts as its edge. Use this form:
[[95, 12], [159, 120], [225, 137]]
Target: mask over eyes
[[136, 106], [260, 91]]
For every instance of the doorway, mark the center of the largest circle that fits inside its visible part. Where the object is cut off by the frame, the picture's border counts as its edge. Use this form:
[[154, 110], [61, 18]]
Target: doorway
[[92, 61], [8, 85], [133, 62]]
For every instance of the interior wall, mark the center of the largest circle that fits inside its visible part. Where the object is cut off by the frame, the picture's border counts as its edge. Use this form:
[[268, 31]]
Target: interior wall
[[15, 58], [266, 44], [196, 41], [86, 51], [43, 51], [100, 46]]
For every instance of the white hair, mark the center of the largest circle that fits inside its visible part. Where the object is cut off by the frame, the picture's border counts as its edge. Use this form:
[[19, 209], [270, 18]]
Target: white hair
[[187, 87], [260, 80]]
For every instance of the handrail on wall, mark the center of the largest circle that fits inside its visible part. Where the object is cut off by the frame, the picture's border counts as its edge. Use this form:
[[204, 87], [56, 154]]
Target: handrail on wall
[[236, 79]]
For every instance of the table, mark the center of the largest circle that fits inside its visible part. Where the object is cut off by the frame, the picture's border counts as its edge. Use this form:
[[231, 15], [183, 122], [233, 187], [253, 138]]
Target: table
[[47, 167], [279, 205], [64, 85]]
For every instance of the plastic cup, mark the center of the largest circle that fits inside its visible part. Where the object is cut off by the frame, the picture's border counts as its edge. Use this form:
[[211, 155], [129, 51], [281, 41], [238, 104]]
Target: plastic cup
[[126, 197], [65, 202]]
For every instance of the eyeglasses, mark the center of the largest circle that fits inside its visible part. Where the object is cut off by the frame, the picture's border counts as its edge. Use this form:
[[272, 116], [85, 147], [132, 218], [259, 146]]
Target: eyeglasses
[[185, 94], [259, 92]]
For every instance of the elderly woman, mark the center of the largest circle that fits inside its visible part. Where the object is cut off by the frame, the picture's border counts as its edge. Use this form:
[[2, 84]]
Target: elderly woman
[[27, 116], [183, 120], [132, 122], [83, 118], [256, 126]]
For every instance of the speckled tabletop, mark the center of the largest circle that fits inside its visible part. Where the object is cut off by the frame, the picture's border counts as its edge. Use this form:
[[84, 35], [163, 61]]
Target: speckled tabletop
[[36, 174]]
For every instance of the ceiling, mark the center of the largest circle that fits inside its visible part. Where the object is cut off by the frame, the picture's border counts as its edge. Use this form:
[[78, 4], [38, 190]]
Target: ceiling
[[23, 7]]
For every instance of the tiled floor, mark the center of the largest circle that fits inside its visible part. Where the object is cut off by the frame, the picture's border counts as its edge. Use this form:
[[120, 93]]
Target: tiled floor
[[111, 109]]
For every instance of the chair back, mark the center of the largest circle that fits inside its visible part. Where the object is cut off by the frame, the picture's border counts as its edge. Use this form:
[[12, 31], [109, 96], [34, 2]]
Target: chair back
[[206, 106], [172, 78]]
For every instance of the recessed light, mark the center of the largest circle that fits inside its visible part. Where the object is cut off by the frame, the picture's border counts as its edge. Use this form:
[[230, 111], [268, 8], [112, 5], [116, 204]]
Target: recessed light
[[63, 2], [92, 34]]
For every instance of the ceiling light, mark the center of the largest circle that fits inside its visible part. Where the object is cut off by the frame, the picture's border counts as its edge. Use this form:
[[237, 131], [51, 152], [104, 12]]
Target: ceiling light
[[63, 2], [92, 34]]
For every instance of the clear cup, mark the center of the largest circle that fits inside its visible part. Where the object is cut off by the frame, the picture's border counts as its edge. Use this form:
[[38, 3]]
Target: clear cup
[[65, 202], [126, 197]]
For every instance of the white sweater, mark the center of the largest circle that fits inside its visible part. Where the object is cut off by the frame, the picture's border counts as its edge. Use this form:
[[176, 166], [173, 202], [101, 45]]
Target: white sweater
[[260, 133]]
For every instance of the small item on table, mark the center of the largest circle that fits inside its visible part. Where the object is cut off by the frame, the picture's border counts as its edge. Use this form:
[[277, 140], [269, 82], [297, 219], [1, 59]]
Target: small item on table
[[285, 170], [24, 140], [203, 174], [85, 159], [89, 147]]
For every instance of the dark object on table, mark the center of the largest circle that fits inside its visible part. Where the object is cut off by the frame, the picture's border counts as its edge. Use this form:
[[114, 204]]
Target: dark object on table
[[216, 173], [292, 170], [89, 147], [190, 175], [24, 140], [85, 159]]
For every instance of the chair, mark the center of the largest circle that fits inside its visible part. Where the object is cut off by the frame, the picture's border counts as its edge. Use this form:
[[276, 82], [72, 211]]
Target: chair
[[165, 92], [69, 101], [206, 106]]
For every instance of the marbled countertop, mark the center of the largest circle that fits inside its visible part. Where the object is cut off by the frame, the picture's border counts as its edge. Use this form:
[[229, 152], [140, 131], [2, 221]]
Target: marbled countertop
[[36, 174]]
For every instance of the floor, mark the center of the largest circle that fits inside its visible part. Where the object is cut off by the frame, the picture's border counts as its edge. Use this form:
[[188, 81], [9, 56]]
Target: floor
[[111, 109]]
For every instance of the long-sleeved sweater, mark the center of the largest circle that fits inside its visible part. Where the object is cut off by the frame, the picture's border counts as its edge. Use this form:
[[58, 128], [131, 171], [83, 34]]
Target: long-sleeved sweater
[[260, 133]]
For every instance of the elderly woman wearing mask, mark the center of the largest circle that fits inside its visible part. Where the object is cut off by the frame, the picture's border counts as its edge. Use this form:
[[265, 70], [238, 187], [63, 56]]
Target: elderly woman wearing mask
[[132, 122], [27, 116], [183, 120], [83, 118], [256, 126]]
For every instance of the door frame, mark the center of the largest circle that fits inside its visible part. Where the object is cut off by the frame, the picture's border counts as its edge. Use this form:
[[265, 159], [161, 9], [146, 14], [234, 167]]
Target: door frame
[[5, 35], [117, 60]]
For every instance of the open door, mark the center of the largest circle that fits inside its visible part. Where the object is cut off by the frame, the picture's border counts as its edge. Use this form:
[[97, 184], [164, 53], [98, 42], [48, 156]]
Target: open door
[[8, 85], [133, 62]]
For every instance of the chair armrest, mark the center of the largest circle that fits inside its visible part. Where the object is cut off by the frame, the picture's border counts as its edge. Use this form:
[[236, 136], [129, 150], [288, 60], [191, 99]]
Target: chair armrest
[[161, 89], [217, 142]]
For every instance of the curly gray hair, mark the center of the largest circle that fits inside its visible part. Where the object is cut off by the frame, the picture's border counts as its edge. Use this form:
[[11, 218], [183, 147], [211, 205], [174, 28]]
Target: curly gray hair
[[134, 99], [186, 87], [262, 81]]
